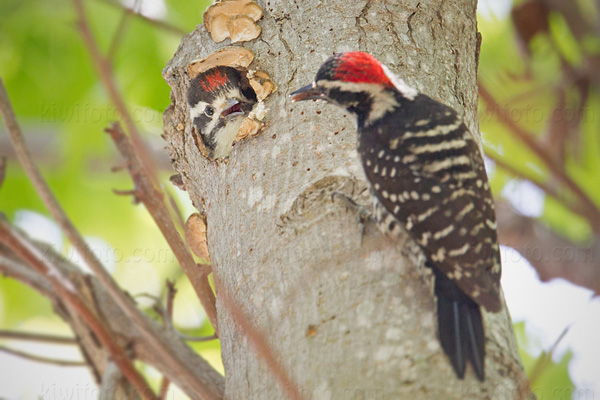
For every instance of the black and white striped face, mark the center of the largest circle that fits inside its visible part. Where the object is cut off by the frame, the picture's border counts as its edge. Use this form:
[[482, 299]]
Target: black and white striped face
[[359, 83], [219, 100]]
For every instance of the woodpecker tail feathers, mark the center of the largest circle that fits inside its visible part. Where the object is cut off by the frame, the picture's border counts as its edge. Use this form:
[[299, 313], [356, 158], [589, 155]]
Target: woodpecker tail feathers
[[460, 327]]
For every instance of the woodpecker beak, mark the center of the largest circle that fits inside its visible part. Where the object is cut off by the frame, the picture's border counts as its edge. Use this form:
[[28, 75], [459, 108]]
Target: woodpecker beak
[[308, 92], [233, 108]]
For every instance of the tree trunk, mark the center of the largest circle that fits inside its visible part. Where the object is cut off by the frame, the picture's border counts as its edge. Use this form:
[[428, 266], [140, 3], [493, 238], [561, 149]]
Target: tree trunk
[[349, 317]]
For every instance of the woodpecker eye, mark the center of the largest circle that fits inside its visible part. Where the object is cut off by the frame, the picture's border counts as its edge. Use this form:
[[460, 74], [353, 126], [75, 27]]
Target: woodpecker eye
[[209, 111]]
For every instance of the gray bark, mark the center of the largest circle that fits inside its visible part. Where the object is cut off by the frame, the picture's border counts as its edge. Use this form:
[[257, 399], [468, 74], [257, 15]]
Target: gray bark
[[348, 320]]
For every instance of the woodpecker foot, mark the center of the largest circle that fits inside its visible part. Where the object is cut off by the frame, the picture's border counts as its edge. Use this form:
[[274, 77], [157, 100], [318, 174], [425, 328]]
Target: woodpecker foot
[[364, 215]]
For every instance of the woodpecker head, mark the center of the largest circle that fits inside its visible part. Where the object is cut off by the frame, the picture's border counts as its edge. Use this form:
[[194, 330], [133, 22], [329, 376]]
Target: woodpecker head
[[358, 82], [219, 100]]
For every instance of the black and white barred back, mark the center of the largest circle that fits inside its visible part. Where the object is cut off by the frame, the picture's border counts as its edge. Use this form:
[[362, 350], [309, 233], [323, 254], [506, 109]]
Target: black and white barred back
[[428, 179], [427, 171]]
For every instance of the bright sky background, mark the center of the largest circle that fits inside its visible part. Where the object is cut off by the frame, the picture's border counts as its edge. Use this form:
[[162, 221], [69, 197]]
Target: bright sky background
[[547, 308]]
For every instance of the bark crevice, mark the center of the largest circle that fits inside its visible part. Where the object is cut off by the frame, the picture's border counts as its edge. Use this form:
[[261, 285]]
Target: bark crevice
[[347, 320]]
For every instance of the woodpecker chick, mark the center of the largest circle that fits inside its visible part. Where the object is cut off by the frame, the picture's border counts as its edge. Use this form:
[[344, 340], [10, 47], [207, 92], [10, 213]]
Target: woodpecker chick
[[219, 100], [427, 176]]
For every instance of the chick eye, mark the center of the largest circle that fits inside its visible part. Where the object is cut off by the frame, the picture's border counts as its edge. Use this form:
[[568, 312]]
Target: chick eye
[[209, 111]]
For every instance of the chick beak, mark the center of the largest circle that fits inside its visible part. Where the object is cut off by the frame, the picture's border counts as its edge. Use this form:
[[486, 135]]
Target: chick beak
[[308, 92], [233, 108]]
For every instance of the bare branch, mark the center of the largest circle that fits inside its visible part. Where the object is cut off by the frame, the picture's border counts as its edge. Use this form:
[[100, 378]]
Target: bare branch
[[551, 255], [118, 322], [132, 192], [546, 188], [37, 337], [164, 388], [170, 360], [110, 380], [158, 23], [121, 28], [148, 195], [2, 170], [199, 338], [545, 358], [24, 274], [171, 292], [558, 171], [105, 73], [67, 291], [167, 318], [34, 357]]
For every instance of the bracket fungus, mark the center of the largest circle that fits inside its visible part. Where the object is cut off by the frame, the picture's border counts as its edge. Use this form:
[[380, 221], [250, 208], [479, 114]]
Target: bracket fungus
[[195, 235], [236, 57], [235, 19]]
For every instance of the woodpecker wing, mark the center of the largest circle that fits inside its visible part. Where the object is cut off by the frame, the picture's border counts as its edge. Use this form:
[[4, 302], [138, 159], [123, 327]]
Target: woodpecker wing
[[427, 171]]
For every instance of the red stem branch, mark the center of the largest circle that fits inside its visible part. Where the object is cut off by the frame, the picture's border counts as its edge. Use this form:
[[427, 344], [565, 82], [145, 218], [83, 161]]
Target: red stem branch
[[105, 72], [170, 359], [147, 194], [65, 288]]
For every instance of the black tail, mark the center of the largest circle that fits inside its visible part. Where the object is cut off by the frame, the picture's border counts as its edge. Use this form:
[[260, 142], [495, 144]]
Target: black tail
[[460, 326]]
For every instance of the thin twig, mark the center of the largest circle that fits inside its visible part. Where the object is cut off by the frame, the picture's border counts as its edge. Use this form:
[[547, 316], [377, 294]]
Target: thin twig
[[131, 192], [147, 194], [198, 338], [261, 348], [67, 291], [171, 361], [104, 69], [12, 268], [543, 360], [37, 337], [171, 292], [105, 73], [76, 239], [121, 28], [2, 170], [591, 209], [34, 357], [546, 188], [113, 316], [167, 318], [158, 23]]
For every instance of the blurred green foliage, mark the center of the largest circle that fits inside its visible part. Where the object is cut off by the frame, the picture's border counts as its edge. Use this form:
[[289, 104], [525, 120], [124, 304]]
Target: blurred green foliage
[[63, 109], [553, 380], [528, 80]]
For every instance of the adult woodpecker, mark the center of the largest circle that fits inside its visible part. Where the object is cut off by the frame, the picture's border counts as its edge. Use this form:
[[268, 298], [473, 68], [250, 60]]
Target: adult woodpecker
[[219, 99], [428, 179]]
